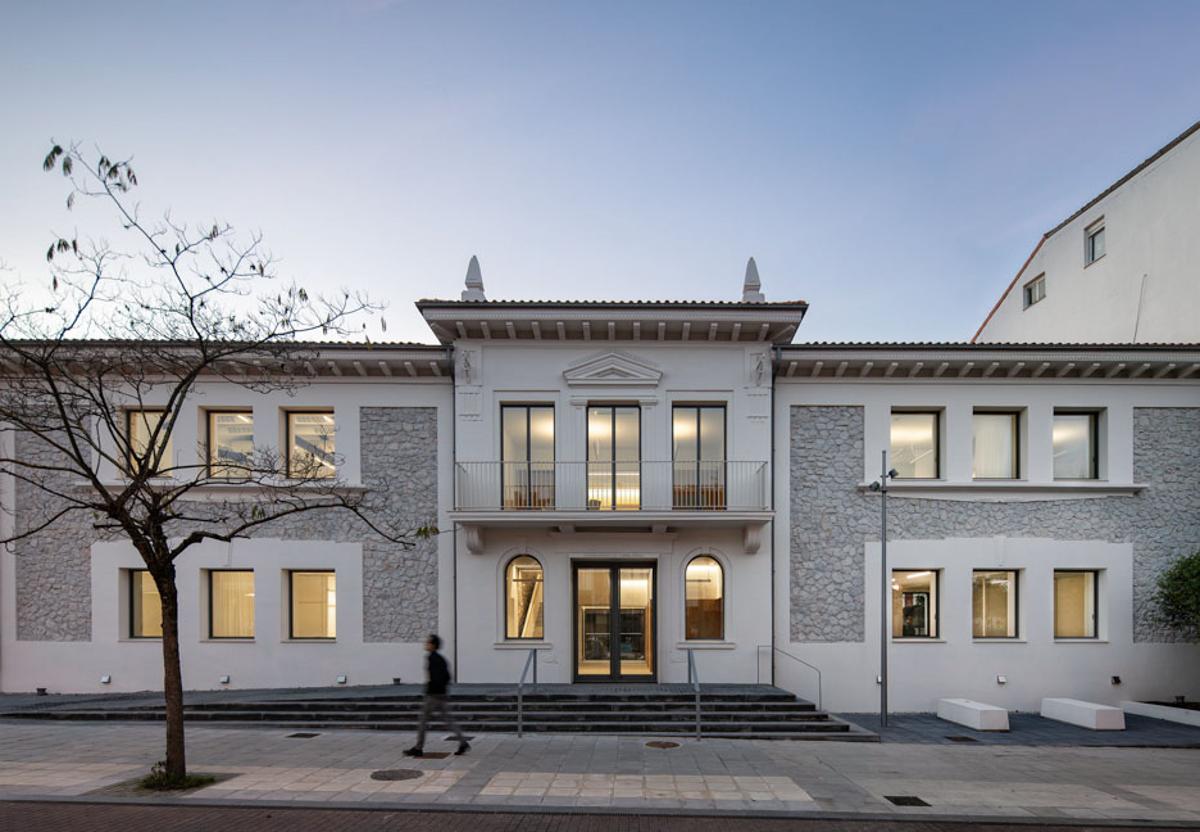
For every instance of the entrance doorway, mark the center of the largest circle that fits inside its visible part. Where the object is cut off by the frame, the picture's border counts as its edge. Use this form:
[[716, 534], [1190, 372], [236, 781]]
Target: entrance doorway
[[615, 621]]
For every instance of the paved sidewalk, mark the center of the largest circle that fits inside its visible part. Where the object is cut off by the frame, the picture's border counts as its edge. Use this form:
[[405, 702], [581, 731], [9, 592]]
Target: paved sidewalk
[[618, 773]]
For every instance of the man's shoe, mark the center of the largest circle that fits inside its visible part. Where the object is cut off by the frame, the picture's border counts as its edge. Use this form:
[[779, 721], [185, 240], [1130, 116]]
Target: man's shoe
[[415, 751], [463, 748]]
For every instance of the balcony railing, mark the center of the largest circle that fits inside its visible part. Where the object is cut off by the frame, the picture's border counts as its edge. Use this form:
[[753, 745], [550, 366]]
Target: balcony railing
[[637, 485]]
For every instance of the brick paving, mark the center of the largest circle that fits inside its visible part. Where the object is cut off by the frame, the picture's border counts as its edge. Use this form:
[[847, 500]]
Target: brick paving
[[80, 817]]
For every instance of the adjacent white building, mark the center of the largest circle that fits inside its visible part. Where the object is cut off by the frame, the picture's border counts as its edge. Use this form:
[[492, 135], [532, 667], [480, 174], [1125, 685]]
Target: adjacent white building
[[621, 483], [1123, 269]]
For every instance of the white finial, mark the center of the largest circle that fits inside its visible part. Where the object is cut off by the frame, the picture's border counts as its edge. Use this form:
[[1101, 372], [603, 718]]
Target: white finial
[[474, 290], [752, 286]]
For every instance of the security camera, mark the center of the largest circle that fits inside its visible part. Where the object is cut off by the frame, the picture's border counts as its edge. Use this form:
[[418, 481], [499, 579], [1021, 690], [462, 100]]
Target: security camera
[[893, 473]]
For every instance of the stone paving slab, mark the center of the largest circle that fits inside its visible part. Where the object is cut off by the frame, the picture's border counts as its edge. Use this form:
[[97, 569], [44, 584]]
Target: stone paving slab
[[577, 771], [1030, 729]]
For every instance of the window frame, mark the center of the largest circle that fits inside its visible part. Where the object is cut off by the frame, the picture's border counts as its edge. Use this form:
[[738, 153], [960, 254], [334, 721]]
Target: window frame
[[505, 587], [287, 430], [208, 443], [528, 461], [1016, 415], [1095, 573], [937, 440], [936, 630], [134, 591], [1026, 291], [1093, 443], [291, 575], [211, 636], [130, 412], [699, 407], [1016, 590], [724, 606], [1089, 246], [612, 462]]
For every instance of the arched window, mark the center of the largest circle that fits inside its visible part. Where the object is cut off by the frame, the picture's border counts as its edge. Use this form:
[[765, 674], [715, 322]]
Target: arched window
[[704, 598], [523, 598]]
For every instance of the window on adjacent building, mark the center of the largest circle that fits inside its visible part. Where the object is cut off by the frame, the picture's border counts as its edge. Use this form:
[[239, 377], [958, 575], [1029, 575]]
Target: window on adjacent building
[[995, 445], [310, 441], [140, 428], [524, 604], [1035, 290], [614, 457], [914, 603], [994, 604], [230, 603], [145, 605], [1076, 593], [314, 604], [1093, 242], [698, 452], [1076, 446], [230, 442], [704, 599], [915, 444], [527, 455]]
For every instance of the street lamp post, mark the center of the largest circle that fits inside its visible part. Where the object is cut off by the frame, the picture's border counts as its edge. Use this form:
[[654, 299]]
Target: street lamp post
[[880, 485]]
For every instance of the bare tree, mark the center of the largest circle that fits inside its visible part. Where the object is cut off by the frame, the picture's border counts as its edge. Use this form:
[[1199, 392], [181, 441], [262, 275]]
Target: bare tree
[[96, 368]]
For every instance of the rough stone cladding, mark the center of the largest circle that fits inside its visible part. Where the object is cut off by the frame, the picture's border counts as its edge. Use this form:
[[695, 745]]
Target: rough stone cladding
[[400, 603], [831, 519]]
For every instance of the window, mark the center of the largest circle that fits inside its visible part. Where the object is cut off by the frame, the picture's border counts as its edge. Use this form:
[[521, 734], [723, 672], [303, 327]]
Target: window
[[914, 603], [1075, 597], [698, 451], [915, 445], [704, 599], [314, 605], [994, 604], [1076, 446], [230, 443], [1093, 243], [1035, 290], [527, 455], [995, 445], [523, 605], [145, 606], [140, 427], [230, 604], [310, 445], [614, 452]]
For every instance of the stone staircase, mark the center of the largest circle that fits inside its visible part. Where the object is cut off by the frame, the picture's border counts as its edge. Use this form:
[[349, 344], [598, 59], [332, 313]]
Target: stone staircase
[[733, 711]]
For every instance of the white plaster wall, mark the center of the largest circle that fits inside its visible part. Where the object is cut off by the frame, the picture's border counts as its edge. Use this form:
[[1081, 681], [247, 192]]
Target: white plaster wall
[[956, 664], [1152, 260]]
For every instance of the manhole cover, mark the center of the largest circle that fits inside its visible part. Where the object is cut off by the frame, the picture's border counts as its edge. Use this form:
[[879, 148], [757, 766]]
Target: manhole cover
[[905, 800], [396, 774], [662, 744], [302, 735], [960, 738]]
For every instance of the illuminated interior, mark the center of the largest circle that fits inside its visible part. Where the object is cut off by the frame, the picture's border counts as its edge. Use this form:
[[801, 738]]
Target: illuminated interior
[[230, 443], [524, 608], [231, 599], [311, 445], [914, 452], [314, 605], [613, 453], [914, 603], [1074, 604], [994, 604], [704, 599], [609, 633]]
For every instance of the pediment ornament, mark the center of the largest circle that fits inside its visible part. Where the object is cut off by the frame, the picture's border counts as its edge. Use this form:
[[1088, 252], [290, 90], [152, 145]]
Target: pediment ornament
[[613, 369]]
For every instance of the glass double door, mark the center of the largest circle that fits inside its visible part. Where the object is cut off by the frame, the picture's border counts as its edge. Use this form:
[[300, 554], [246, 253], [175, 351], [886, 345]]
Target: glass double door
[[614, 622]]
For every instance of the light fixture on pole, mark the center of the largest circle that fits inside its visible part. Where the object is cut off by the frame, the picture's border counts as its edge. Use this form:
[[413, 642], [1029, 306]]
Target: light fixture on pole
[[880, 486]]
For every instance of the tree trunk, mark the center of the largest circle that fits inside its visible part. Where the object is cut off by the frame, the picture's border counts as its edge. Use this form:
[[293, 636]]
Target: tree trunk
[[172, 678]]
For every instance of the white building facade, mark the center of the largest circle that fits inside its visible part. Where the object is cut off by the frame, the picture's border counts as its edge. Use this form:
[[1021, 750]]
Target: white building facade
[[1125, 268], [619, 485]]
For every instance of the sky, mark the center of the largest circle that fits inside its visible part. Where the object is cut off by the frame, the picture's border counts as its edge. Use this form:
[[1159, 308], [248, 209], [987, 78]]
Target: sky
[[891, 163]]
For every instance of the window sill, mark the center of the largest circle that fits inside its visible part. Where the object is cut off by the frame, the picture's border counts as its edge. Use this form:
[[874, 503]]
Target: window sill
[[1081, 641], [228, 641], [517, 644], [998, 641], [996, 487], [700, 644], [1097, 260], [918, 641], [309, 641]]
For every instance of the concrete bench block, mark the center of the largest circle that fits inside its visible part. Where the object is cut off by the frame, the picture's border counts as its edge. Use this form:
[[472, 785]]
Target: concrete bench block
[[1085, 714], [978, 715]]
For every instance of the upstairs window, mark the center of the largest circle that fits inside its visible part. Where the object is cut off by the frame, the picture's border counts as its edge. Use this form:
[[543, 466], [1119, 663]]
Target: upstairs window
[[1076, 446], [230, 443], [141, 428], [995, 445], [310, 445], [614, 457], [698, 454], [1035, 290], [1093, 243], [527, 455], [915, 445]]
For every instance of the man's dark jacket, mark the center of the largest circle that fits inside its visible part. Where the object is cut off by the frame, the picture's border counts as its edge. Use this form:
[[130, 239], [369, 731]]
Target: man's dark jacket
[[438, 675]]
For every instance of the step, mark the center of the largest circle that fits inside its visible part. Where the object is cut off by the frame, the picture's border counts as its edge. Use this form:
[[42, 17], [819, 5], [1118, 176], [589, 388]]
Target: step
[[571, 707]]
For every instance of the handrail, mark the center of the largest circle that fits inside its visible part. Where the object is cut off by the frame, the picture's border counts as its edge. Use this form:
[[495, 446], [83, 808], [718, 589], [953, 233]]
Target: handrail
[[531, 658], [694, 681], [809, 665]]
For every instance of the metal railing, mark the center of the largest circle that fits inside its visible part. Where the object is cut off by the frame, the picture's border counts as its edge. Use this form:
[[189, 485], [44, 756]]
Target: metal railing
[[694, 681], [796, 659], [635, 485], [531, 659]]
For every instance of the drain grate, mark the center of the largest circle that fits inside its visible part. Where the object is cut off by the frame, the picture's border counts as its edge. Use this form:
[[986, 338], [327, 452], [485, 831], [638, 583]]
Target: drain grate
[[396, 774], [662, 744], [960, 738], [302, 735], [905, 800]]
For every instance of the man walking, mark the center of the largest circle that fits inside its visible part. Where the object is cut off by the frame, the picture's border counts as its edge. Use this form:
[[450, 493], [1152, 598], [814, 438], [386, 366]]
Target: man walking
[[437, 676]]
